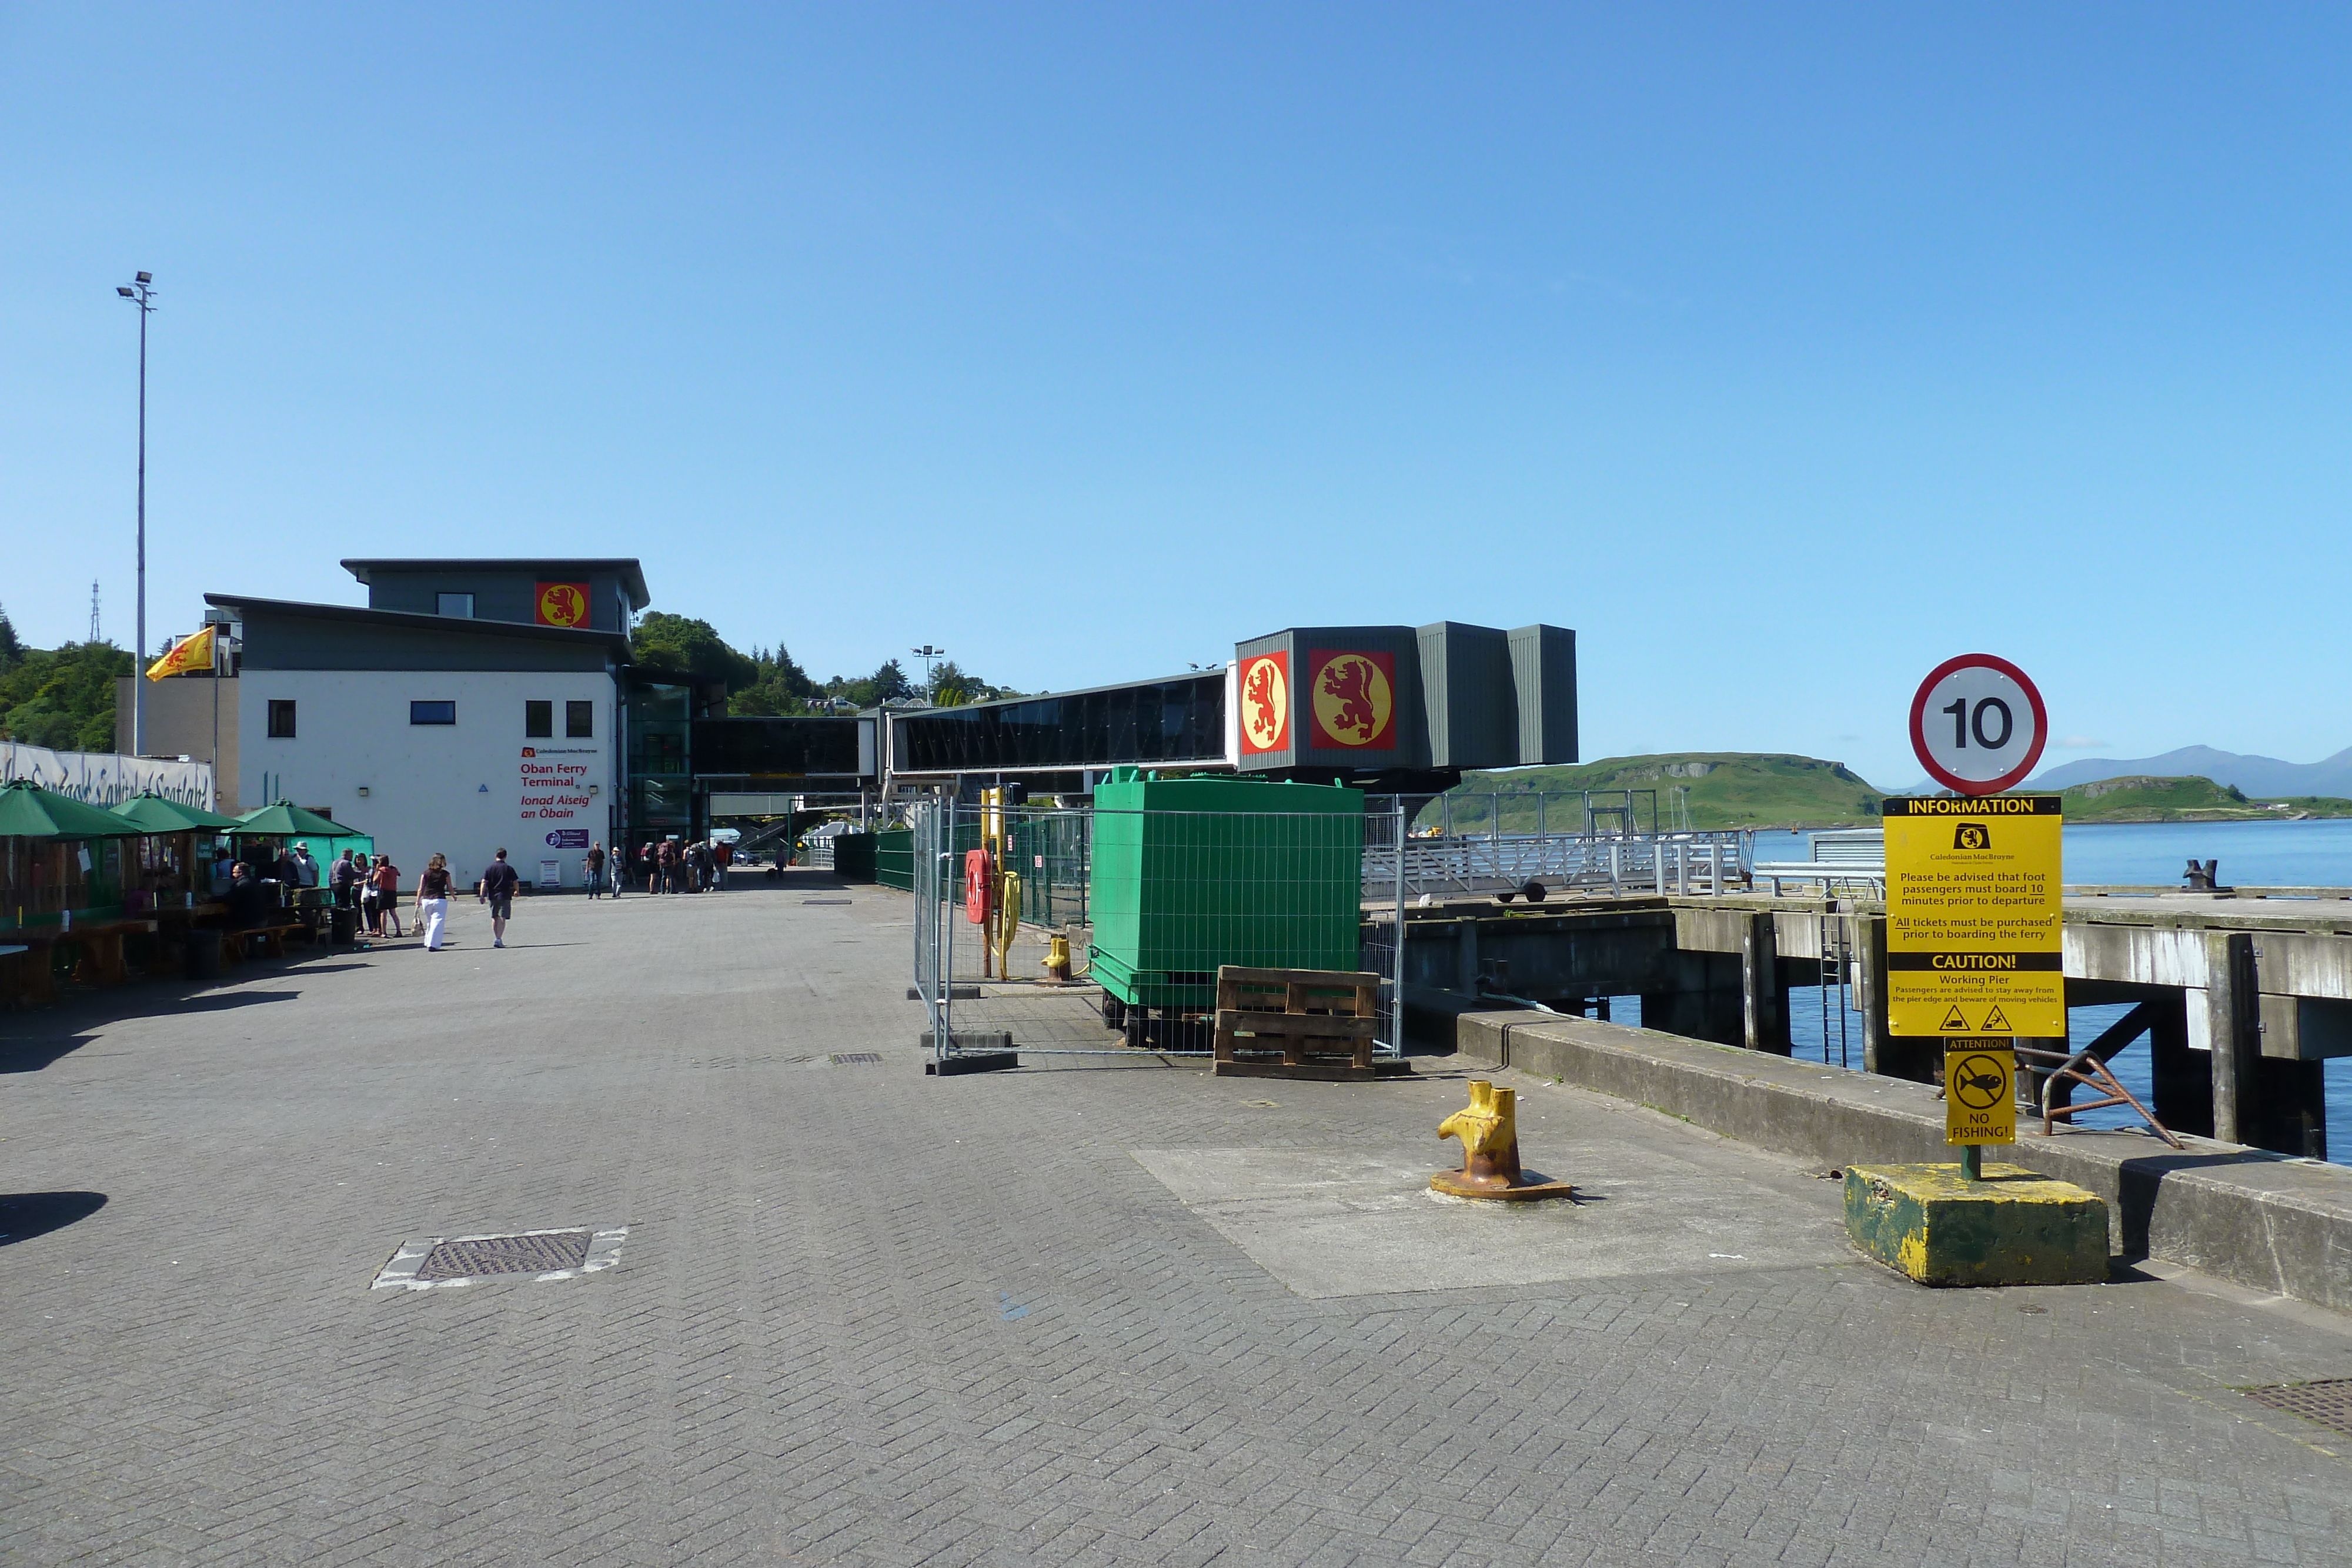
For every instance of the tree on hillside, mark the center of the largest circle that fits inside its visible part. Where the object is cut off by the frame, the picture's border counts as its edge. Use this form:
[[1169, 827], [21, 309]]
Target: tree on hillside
[[11, 650], [952, 687], [888, 683], [61, 698], [778, 686], [675, 647]]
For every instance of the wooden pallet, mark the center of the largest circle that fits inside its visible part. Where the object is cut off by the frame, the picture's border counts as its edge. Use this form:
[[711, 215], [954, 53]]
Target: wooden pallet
[[1297, 1023]]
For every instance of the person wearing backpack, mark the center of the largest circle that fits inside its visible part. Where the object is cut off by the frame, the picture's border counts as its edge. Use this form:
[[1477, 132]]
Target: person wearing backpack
[[499, 881]]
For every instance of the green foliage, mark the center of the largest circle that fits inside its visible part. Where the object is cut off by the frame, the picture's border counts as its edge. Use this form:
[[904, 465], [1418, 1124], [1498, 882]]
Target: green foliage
[[887, 683], [2143, 798], [1720, 789], [62, 698], [778, 687], [952, 687], [674, 647]]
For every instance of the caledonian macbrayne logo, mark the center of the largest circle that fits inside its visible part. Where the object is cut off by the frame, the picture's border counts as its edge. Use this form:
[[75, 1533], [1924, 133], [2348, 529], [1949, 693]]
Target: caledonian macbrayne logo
[[564, 604], [1354, 697], [1266, 703]]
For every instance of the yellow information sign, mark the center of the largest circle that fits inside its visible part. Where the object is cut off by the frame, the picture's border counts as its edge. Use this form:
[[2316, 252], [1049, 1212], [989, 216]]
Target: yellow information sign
[[1979, 1091], [1973, 944]]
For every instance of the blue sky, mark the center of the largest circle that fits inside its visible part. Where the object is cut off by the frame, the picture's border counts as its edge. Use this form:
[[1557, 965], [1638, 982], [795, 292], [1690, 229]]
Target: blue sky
[[1781, 351]]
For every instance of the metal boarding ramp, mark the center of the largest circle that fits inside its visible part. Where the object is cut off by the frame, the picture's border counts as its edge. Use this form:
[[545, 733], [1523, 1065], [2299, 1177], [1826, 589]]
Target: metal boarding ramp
[[1851, 860], [1658, 863]]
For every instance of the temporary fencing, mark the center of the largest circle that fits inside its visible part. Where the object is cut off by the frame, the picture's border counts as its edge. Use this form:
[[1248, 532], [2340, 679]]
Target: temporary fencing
[[1152, 902]]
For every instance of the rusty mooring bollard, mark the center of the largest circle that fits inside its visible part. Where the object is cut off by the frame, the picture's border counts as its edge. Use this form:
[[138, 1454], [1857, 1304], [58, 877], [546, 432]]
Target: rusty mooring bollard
[[1489, 1131]]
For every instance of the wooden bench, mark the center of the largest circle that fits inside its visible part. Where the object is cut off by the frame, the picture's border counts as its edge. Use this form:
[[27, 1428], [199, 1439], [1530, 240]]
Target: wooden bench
[[258, 941], [1298, 1023]]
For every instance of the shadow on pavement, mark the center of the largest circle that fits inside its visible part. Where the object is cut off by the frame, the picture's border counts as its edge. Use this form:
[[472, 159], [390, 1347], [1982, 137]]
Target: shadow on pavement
[[25, 1215]]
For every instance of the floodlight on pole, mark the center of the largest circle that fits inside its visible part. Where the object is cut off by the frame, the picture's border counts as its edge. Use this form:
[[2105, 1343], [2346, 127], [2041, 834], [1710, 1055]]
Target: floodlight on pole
[[929, 656], [139, 291]]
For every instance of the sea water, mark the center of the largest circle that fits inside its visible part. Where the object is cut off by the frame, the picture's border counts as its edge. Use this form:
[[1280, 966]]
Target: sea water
[[2127, 854]]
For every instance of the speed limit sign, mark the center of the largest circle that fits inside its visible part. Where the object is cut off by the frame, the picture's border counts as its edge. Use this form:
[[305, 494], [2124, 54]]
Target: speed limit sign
[[1978, 725]]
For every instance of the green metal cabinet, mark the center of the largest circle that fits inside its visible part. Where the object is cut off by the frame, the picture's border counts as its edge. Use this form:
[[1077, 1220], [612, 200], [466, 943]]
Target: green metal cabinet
[[1190, 873]]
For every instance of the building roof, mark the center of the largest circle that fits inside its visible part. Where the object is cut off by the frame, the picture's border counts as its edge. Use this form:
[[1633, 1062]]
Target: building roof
[[617, 641], [631, 574]]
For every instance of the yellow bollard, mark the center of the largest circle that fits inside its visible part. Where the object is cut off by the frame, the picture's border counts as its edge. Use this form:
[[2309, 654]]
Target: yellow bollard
[[1489, 1130], [1057, 959]]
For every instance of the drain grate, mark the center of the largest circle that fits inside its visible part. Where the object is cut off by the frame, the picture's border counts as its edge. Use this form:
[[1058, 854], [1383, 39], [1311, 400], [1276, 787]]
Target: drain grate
[[2328, 1402], [820, 903], [432, 1261], [856, 1058], [533, 1252]]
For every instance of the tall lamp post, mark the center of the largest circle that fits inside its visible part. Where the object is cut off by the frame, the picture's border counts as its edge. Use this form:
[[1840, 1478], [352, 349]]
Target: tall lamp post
[[140, 291], [929, 655]]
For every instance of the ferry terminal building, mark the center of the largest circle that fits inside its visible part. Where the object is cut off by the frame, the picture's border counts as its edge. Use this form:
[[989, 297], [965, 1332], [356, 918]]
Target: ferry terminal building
[[478, 704]]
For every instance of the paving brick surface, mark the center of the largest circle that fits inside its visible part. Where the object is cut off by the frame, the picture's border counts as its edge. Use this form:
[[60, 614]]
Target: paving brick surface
[[864, 1317]]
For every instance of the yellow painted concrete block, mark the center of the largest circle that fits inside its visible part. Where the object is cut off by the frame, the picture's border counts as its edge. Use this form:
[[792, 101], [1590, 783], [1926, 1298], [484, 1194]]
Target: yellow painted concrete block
[[2013, 1227]]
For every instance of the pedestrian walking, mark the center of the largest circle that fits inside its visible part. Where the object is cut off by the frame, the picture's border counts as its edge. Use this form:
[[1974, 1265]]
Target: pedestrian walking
[[499, 881], [433, 900], [596, 871], [725, 856], [669, 866]]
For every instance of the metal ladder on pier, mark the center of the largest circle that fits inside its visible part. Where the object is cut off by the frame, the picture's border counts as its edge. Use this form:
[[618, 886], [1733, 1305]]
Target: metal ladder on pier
[[1837, 981]]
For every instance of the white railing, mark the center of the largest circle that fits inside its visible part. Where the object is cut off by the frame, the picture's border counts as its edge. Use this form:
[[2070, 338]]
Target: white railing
[[1692, 863]]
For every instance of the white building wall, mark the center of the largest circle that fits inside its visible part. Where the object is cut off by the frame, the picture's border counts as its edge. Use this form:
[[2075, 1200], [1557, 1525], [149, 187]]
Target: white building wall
[[465, 789]]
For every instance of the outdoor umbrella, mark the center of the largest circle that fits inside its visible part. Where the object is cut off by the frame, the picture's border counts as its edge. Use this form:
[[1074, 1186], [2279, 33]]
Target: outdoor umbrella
[[29, 811], [285, 819], [152, 813]]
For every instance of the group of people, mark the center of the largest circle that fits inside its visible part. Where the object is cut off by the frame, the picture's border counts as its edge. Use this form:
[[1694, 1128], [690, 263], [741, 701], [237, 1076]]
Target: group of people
[[371, 886], [671, 866]]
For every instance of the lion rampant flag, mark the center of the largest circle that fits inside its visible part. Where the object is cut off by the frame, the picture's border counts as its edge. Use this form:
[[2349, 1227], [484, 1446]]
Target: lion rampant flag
[[190, 652]]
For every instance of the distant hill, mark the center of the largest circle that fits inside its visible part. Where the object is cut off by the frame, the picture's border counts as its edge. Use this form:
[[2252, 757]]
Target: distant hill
[[2265, 776], [2146, 799], [1720, 789]]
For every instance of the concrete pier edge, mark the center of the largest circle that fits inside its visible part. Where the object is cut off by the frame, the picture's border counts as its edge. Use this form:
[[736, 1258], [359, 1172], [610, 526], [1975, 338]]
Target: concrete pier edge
[[2275, 1223]]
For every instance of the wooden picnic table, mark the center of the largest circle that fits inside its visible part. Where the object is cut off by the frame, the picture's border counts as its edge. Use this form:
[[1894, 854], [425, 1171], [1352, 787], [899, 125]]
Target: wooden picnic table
[[99, 961]]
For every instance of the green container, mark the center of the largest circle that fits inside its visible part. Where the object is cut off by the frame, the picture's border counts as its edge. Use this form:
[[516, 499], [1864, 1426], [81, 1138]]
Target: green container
[[1190, 873], [894, 858], [852, 857]]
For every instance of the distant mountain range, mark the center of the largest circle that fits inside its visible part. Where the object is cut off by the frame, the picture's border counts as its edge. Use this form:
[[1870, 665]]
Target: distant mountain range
[[2263, 776]]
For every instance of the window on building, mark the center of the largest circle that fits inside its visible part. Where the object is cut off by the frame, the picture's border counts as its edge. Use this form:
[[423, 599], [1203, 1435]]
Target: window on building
[[458, 604], [538, 721], [431, 713], [579, 721], [282, 719]]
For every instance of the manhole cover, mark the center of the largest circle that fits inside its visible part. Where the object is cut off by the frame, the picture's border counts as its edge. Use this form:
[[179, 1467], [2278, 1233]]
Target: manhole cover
[[2328, 1402], [856, 1058], [428, 1263]]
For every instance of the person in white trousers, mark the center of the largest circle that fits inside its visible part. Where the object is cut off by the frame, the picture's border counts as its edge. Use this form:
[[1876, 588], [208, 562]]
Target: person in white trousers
[[433, 902]]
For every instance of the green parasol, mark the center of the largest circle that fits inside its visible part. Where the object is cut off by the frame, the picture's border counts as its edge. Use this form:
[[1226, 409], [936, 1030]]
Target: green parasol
[[29, 811], [152, 813], [285, 819]]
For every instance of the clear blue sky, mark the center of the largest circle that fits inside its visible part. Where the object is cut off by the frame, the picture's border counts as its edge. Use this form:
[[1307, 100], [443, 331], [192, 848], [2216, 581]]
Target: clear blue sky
[[1781, 351]]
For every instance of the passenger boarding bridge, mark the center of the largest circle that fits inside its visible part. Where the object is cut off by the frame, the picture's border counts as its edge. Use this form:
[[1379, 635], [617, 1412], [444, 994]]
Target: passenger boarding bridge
[[1396, 710]]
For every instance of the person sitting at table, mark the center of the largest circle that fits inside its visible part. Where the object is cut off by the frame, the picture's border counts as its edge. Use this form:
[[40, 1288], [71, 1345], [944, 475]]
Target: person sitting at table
[[251, 900]]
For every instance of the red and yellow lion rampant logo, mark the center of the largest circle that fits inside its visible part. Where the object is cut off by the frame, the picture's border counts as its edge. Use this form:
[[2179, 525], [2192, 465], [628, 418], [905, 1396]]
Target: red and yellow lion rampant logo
[[1266, 703], [1355, 699]]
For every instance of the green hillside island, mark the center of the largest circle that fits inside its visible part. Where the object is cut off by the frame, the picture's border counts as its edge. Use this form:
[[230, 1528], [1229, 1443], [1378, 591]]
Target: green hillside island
[[1716, 789], [2143, 798]]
